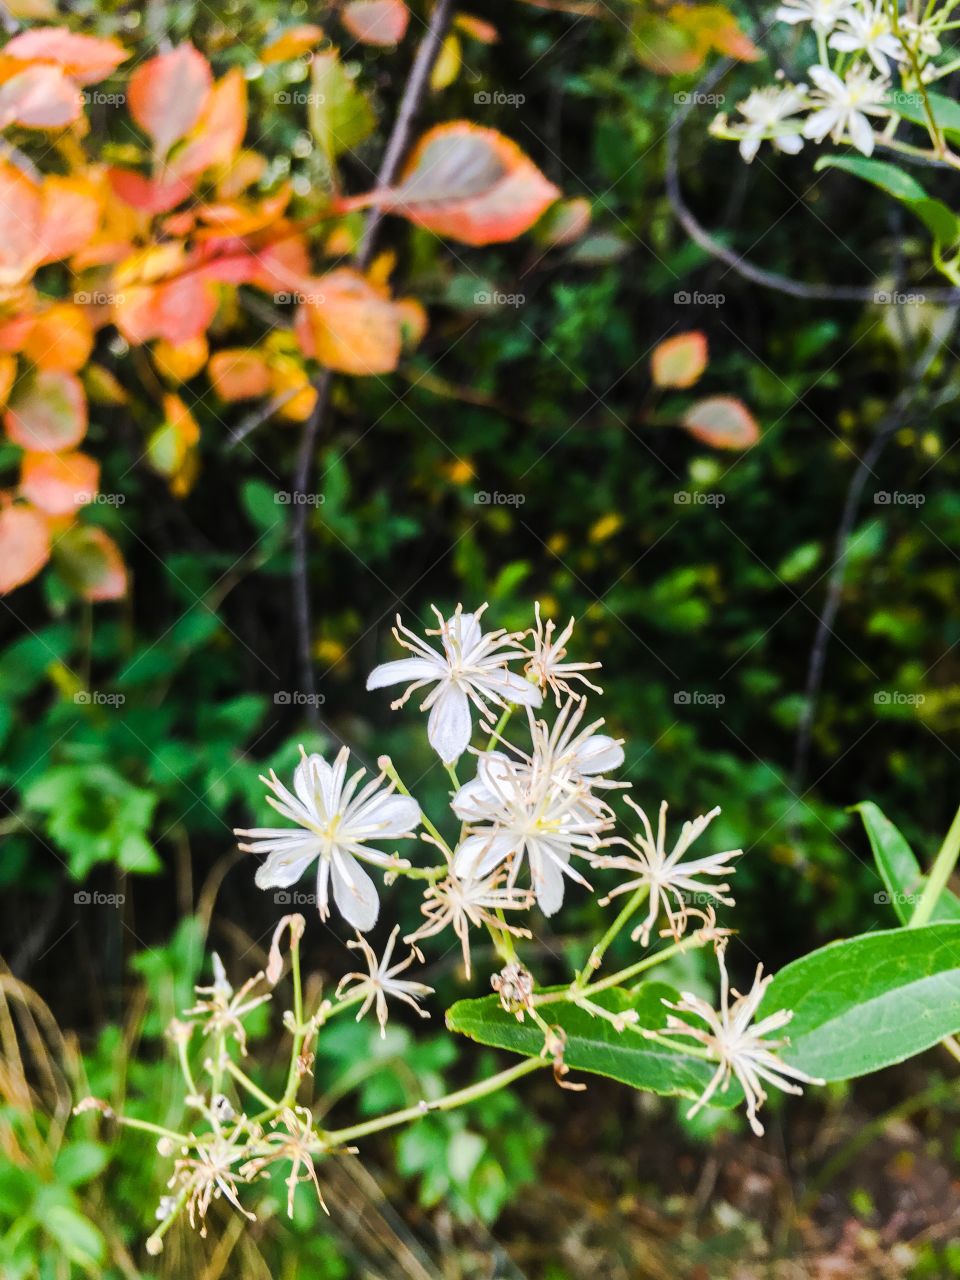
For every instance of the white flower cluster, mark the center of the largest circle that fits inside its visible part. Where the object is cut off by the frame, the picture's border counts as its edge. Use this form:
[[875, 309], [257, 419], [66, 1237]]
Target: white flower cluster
[[863, 46], [539, 812]]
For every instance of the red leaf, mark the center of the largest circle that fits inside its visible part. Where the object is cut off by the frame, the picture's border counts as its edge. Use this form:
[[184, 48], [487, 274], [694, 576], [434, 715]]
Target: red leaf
[[469, 183], [239, 375], [380, 22], [19, 219], [723, 422], [41, 97], [347, 325], [70, 212], [47, 413], [679, 361], [24, 546], [167, 94], [86, 59], [90, 562], [59, 483], [176, 311], [218, 134], [148, 195]]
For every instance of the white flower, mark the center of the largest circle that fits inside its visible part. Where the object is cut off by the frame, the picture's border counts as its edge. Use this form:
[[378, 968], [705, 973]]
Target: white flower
[[765, 111], [225, 1009], [866, 29], [822, 14], [382, 981], [516, 808], [843, 105], [920, 36], [462, 900], [472, 667], [336, 824], [547, 668], [565, 748], [666, 874], [738, 1047]]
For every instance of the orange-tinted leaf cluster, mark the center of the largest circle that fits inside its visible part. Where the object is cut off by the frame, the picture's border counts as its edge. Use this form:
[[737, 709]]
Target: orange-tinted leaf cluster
[[724, 422]]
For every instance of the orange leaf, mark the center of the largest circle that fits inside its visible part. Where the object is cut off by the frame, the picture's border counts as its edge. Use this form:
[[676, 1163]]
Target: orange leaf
[[176, 311], [380, 22], [218, 134], [723, 422], [239, 375], [19, 219], [149, 195], [61, 338], [24, 546], [167, 94], [59, 483], [85, 59], [183, 361], [469, 183], [90, 562], [477, 28], [8, 374], [41, 97], [347, 325], [292, 43], [47, 412], [679, 361], [70, 213]]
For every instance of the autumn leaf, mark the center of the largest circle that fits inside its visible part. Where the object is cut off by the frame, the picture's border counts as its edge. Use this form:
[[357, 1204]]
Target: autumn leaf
[[294, 42], [148, 195], [171, 448], [59, 483], [468, 183], [239, 374], [176, 311], [47, 412], [378, 22], [19, 219], [61, 338], [723, 422], [348, 325], [24, 546], [476, 28], [167, 94], [180, 362], [565, 223], [89, 561], [679, 361], [8, 374], [70, 211], [41, 97], [218, 134], [340, 115], [85, 59]]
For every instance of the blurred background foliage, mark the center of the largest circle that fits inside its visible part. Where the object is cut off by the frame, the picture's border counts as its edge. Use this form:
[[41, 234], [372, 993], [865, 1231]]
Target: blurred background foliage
[[133, 735]]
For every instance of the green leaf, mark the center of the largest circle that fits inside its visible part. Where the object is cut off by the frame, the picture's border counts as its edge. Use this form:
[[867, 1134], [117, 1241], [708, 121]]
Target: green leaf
[[946, 112], [340, 115], [899, 869], [76, 1235], [78, 1162], [867, 1002], [593, 1044], [940, 221]]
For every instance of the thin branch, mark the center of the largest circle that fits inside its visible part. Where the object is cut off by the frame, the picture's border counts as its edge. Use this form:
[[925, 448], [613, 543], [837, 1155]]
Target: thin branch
[[397, 146]]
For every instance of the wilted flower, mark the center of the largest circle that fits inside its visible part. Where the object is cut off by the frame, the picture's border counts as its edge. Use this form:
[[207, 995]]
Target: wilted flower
[[338, 823], [296, 1143], [843, 106], [546, 666], [738, 1047], [209, 1174], [224, 1009], [666, 874], [382, 981], [462, 900], [865, 28], [471, 668]]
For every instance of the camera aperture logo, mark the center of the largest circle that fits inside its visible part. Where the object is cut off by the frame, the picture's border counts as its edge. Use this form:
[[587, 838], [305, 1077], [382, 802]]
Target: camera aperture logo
[[484, 498]]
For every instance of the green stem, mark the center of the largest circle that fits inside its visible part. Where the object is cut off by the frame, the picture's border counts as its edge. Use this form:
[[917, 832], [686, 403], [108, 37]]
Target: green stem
[[390, 770], [242, 1078], [149, 1127], [499, 728], [940, 873], [300, 1031], [624, 975], [340, 1137], [596, 955]]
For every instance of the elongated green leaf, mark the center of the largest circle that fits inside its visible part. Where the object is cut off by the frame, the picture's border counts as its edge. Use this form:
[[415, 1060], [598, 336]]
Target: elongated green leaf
[[938, 218], [946, 112], [594, 1045], [899, 869], [870, 1001]]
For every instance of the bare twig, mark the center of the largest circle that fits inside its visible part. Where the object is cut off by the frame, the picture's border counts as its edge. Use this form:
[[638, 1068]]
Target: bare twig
[[397, 147]]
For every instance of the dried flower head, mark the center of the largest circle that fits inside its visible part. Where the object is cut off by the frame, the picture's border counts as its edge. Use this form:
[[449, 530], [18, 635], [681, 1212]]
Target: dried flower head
[[514, 985], [224, 1009], [546, 666], [210, 1173], [739, 1047], [381, 981], [297, 1143]]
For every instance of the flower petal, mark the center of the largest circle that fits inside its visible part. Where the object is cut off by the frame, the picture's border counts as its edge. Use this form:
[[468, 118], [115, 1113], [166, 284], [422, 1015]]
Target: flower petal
[[405, 670], [449, 727], [355, 893], [285, 866]]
